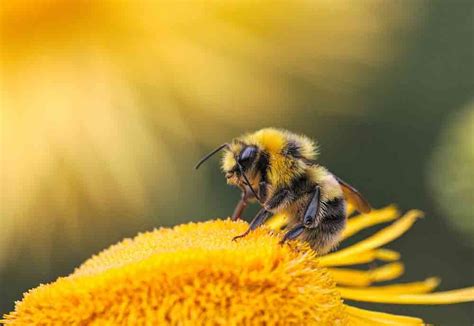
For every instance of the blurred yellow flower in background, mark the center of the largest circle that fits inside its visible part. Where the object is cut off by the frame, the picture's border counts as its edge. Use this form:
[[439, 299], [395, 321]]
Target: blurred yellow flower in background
[[194, 274], [95, 95], [451, 172]]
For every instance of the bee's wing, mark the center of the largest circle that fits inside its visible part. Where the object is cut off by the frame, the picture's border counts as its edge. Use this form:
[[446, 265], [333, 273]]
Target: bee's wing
[[354, 196]]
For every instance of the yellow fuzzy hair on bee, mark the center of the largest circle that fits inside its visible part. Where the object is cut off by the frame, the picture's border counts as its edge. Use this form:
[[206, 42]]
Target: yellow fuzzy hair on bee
[[275, 142]]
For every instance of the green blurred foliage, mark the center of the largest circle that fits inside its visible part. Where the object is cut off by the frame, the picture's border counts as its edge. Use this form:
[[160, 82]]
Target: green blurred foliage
[[105, 112]]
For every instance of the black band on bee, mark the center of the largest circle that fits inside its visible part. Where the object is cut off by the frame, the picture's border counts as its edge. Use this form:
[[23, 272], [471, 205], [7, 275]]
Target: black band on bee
[[205, 158], [292, 149], [335, 209], [302, 185], [262, 164]]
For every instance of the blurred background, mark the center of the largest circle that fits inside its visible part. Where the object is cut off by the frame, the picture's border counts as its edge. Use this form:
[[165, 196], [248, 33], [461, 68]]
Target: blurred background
[[105, 107]]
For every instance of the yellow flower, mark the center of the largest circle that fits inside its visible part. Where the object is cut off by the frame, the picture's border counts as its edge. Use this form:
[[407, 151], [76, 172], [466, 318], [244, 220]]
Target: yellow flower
[[193, 274]]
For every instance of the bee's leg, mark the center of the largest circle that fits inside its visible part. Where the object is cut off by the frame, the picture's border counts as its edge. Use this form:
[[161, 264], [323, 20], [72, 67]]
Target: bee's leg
[[293, 233], [258, 220], [242, 204], [262, 191], [312, 210], [279, 198]]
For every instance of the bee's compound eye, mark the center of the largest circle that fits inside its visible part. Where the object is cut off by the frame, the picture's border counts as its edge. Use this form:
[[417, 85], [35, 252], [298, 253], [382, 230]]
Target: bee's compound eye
[[247, 154]]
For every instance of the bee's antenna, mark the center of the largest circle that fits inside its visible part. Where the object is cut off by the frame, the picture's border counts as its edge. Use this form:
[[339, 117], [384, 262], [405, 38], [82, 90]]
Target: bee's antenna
[[205, 158], [247, 181]]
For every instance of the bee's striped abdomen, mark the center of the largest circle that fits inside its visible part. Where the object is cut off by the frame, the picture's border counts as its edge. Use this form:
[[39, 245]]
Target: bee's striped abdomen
[[335, 214]]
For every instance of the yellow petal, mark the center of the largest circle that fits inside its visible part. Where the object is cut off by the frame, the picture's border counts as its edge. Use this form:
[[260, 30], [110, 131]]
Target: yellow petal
[[425, 286], [380, 238], [364, 278], [447, 297], [360, 222], [362, 258], [366, 317], [387, 255]]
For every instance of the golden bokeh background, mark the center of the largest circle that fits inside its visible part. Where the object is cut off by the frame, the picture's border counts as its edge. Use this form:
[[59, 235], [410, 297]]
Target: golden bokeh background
[[105, 106]]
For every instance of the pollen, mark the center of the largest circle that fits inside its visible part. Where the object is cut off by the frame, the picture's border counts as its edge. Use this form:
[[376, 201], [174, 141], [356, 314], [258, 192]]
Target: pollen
[[193, 274]]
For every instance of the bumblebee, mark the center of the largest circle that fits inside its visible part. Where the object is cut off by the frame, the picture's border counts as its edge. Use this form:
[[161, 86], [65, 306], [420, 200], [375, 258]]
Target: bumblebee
[[278, 169]]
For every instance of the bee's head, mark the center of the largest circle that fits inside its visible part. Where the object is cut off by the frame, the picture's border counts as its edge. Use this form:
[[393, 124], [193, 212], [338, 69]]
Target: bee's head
[[238, 163], [239, 159]]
